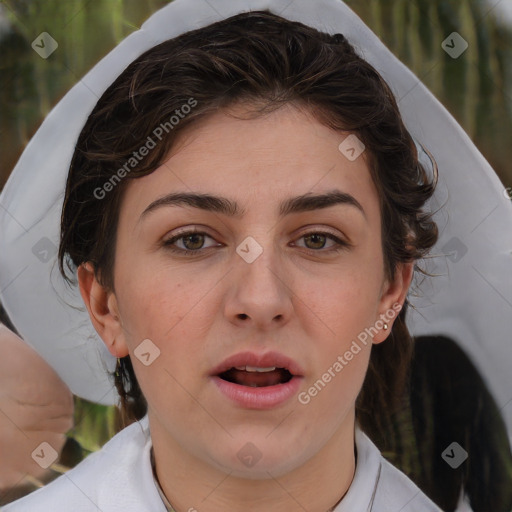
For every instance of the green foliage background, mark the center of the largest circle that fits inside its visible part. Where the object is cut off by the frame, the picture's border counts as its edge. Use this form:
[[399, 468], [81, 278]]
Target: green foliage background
[[476, 88]]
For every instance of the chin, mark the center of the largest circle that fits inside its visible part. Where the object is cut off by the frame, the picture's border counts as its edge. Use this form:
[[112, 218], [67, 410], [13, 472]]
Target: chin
[[260, 460]]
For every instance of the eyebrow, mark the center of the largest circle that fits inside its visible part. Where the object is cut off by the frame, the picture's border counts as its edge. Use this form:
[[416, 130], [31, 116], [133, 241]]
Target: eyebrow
[[225, 206]]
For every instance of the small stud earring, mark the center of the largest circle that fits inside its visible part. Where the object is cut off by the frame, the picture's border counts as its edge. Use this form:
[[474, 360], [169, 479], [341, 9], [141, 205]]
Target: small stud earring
[[386, 326]]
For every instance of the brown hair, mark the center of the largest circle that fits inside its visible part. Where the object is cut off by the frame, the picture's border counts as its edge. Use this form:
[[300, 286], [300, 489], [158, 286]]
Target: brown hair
[[266, 61]]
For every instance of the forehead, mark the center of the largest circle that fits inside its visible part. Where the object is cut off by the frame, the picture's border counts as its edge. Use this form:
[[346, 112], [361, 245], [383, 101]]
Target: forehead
[[257, 161]]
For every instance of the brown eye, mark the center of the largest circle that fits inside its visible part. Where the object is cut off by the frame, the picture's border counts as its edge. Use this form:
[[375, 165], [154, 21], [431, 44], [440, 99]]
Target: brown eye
[[188, 243], [317, 241], [194, 241]]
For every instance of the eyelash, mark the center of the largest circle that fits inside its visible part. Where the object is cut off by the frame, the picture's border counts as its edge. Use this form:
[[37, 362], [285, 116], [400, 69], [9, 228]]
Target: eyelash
[[168, 244]]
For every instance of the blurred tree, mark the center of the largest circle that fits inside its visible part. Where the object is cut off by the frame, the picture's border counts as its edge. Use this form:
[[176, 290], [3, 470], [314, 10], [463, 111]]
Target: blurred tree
[[30, 85], [476, 87]]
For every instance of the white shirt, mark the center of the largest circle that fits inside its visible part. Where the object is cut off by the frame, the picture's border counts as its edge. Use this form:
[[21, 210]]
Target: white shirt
[[119, 478]]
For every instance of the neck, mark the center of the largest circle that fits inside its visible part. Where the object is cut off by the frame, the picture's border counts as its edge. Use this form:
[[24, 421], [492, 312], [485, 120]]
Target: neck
[[191, 485]]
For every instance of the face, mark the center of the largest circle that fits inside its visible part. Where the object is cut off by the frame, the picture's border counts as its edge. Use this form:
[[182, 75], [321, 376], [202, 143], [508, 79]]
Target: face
[[270, 277]]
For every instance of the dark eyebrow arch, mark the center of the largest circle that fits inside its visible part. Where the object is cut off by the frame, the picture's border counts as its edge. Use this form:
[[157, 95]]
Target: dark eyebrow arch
[[208, 202]]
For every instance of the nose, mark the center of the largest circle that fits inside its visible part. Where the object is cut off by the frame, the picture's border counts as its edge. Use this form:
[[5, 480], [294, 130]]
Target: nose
[[260, 292]]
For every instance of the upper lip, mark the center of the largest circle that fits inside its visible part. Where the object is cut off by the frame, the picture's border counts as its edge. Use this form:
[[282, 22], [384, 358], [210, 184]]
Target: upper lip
[[265, 360]]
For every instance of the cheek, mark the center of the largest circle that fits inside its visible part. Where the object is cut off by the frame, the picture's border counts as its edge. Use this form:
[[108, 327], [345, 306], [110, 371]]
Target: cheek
[[152, 296], [345, 307], [160, 306], [171, 309], [345, 300], [343, 347], [330, 394]]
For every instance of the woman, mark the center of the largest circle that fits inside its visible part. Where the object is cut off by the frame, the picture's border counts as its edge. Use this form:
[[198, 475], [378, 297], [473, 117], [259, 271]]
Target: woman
[[243, 211]]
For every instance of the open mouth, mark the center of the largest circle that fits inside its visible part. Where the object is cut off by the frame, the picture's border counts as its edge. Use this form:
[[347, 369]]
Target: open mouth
[[256, 377], [258, 381]]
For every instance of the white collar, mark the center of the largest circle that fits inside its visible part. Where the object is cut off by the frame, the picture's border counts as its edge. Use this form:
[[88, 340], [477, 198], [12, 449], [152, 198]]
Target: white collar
[[361, 493]]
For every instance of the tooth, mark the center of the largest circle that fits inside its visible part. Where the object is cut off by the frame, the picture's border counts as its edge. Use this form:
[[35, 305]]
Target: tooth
[[261, 370]]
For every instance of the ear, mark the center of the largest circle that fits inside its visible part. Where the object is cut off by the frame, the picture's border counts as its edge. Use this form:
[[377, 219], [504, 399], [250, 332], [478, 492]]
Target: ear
[[392, 299], [103, 310]]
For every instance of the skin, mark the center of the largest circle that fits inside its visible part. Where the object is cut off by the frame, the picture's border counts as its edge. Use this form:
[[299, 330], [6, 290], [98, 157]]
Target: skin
[[36, 406], [297, 297]]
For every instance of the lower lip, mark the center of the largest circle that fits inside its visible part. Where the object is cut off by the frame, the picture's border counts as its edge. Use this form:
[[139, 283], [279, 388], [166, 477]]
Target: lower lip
[[265, 397]]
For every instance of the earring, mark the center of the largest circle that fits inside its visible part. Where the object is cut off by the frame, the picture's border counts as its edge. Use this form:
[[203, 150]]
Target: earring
[[386, 326], [118, 365]]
